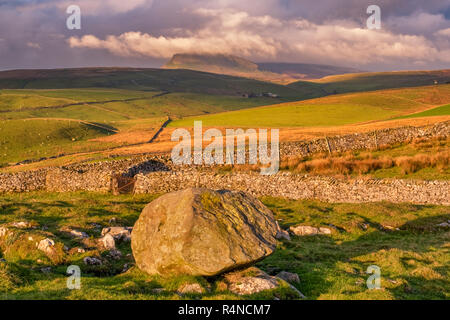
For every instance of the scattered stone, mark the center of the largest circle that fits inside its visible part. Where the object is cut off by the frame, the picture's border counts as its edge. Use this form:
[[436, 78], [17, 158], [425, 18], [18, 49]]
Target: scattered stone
[[46, 270], [115, 254], [112, 221], [30, 238], [96, 225], [22, 225], [250, 281], [444, 224], [389, 228], [119, 233], [202, 232], [282, 234], [324, 231], [80, 250], [309, 231], [108, 241], [158, 290], [92, 261], [289, 277], [191, 288], [47, 246], [126, 266], [79, 234], [364, 226], [74, 233]]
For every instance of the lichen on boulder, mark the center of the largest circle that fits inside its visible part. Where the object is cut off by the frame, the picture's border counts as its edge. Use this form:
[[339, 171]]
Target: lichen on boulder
[[203, 233]]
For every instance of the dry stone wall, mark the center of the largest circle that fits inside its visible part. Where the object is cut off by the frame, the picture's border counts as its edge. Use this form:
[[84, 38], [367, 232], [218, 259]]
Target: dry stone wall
[[156, 174], [360, 141], [294, 186]]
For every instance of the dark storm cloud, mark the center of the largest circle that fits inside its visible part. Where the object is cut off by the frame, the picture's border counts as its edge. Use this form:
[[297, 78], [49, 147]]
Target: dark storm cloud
[[145, 33]]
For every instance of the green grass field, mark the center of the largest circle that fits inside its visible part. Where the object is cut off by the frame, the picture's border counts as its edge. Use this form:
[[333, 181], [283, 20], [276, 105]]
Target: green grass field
[[402, 239], [438, 111], [127, 98], [34, 139], [330, 111], [116, 108]]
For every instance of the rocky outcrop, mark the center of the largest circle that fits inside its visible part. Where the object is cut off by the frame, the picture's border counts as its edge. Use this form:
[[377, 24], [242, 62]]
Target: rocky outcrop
[[202, 232]]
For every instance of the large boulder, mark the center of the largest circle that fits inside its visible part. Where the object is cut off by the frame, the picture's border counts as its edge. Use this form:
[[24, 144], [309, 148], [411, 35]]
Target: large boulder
[[202, 232]]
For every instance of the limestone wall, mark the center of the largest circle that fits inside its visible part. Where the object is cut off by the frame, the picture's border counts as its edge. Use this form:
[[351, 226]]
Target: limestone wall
[[295, 186], [368, 140]]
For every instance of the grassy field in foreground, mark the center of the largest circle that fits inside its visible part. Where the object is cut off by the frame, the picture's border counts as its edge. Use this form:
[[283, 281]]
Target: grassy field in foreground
[[331, 111], [402, 239]]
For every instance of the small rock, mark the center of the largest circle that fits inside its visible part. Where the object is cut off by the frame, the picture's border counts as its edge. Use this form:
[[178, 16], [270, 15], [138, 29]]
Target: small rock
[[30, 238], [282, 234], [108, 241], [115, 254], [309, 231], [79, 234], [191, 288], [289, 277], [158, 290], [364, 226], [92, 261], [21, 225], [46, 270], [324, 231], [47, 246], [80, 250], [444, 225], [112, 221], [119, 233], [250, 281], [390, 228], [126, 266]]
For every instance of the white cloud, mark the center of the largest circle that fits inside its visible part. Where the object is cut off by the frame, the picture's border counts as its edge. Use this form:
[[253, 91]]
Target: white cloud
[[236, 32], [444, 32]]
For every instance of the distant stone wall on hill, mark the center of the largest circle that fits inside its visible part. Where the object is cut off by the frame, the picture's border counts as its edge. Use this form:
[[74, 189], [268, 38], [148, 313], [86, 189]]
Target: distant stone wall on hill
[[361, 141]]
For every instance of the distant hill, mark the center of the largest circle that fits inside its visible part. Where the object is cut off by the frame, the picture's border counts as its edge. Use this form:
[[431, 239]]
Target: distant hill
[[225, 64], [283, 73], [153, 80], [379, 80], [304, 70]]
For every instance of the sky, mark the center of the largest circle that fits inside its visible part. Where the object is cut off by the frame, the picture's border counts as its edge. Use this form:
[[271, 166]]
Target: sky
[[414, 34]]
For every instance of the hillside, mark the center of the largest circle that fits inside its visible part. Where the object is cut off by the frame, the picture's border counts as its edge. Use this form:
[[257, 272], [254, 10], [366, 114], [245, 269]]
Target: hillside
[[332, 110], [283, 73], [379, 80], [152, 80]]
